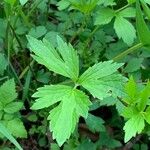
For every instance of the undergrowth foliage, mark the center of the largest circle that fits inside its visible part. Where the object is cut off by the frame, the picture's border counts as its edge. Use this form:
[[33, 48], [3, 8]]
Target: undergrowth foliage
[[99, 80], [74, 74]]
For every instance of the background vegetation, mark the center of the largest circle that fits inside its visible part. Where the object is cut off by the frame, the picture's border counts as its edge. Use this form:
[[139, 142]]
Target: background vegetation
[[93, 93]]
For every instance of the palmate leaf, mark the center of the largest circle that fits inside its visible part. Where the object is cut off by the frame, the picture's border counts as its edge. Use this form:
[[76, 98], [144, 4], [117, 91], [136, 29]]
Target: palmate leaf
[[64, 117], [47, 55], [136, 110], [102, 81]]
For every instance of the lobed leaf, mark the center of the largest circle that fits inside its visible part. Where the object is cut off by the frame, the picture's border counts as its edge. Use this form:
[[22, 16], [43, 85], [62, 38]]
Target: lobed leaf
[[46, 54], [49, 95], [73, 104], [102, 81], [99, 70]]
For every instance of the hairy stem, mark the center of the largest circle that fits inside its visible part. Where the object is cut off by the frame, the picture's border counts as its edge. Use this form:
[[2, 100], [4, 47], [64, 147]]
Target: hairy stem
[[26, 69], [122, 8], [34, 6], [90, 36], [128, 51]]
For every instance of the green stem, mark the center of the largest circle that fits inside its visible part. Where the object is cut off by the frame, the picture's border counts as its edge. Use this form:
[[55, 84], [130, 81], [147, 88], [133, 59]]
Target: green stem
[[15, 75], [80, 29], [128, 51], [34, 6], [122, 8], [90, 36], [78, 32], [3, 78], [15, 35], [24, 17], [26, 69]]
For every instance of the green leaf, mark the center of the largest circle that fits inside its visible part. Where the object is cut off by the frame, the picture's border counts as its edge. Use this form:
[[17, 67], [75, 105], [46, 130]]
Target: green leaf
[[22, 2], [13, 107], [47, 55], [54, 146], [101, 80], [95, 124], [131, 90], [146, 9], [73, 104], [131, 1], [63, 4], [7, 117], [49, 95], [133, 126], [147, 115], [125, 30], [109, 101], [147, 1], [142, 29], [8, 135], [38, 31], [85, 6], [107, 141], [120, 107], [8, 92], [137, 64], [107, 2], [70, 57], [144, 97], [129, 112], [3, 63], [18, 131], [86, 144], [128, 12], [104, 16], [100, 70], [11, 2]]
